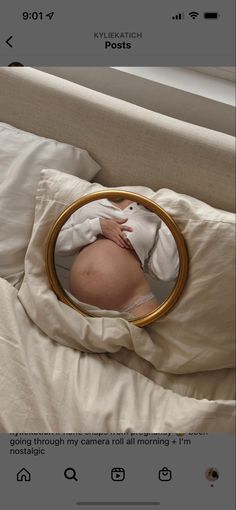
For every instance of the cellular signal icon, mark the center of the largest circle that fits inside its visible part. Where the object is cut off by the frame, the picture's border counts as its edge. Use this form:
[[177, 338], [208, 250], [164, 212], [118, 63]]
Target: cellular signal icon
[[179, 16], [193, 14]]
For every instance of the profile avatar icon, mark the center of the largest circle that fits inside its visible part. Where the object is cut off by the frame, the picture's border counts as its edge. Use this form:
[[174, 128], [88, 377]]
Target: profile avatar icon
[[15, 64], [212, 474]]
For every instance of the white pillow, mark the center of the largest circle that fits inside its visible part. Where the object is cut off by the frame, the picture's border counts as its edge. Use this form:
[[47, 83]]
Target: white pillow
[[196, 335], [22, 156]]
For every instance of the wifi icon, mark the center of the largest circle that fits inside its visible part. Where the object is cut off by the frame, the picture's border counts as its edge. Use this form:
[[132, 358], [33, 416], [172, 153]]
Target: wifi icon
[[193, 14]]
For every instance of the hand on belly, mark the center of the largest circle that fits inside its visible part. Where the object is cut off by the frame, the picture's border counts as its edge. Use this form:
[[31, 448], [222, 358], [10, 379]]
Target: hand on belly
[[114, 230]]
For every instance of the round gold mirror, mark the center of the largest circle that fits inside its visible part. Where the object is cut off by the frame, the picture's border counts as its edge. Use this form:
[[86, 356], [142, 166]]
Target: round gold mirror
[[117, 254]]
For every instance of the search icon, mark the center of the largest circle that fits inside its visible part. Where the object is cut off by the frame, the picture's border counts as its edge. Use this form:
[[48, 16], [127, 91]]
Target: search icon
[[70, 474]]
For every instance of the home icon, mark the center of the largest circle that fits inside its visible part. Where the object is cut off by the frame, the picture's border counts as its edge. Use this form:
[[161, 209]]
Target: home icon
[[23, 475]]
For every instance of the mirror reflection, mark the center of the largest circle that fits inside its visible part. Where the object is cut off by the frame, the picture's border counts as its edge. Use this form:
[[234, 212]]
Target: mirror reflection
[[116, 257]]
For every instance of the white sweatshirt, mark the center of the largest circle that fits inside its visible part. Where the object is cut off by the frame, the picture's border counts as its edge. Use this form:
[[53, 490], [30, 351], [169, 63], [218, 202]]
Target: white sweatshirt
[[151, 239]]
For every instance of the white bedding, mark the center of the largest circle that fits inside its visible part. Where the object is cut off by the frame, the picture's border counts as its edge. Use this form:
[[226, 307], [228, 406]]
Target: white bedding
[[22, 156], [196, 335], [48, 387], [61, 372]]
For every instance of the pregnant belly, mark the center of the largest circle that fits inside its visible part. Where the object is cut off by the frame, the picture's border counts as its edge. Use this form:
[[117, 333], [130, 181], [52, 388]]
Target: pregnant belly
[[107, 276]]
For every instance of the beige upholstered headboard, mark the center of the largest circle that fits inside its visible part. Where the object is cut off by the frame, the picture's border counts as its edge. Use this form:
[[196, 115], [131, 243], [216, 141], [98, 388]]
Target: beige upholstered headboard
[[134, 146]]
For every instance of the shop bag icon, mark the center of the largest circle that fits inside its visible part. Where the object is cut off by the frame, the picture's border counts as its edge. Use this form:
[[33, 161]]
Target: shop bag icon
[[165, 475]]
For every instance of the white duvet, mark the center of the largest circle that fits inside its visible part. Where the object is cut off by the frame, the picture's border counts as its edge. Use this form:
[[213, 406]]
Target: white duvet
[[48, 387], [63, 372]]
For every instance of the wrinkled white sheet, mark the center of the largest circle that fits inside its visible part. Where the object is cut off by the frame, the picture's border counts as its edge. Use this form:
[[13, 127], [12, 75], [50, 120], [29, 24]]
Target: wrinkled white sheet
[[196, 335], [62, 372], [48, 387]]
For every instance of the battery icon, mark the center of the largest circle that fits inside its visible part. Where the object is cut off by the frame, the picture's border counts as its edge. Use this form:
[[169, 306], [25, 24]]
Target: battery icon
[[211, 15]]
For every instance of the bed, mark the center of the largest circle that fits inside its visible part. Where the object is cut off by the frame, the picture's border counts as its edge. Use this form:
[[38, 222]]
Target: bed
[[64, 373]]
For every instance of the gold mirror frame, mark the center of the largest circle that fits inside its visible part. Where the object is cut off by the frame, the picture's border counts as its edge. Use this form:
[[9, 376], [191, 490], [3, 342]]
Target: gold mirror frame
[[169, 302]]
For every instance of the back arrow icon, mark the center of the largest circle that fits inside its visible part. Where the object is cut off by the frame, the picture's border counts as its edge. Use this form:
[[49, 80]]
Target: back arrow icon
[[7, 41]]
